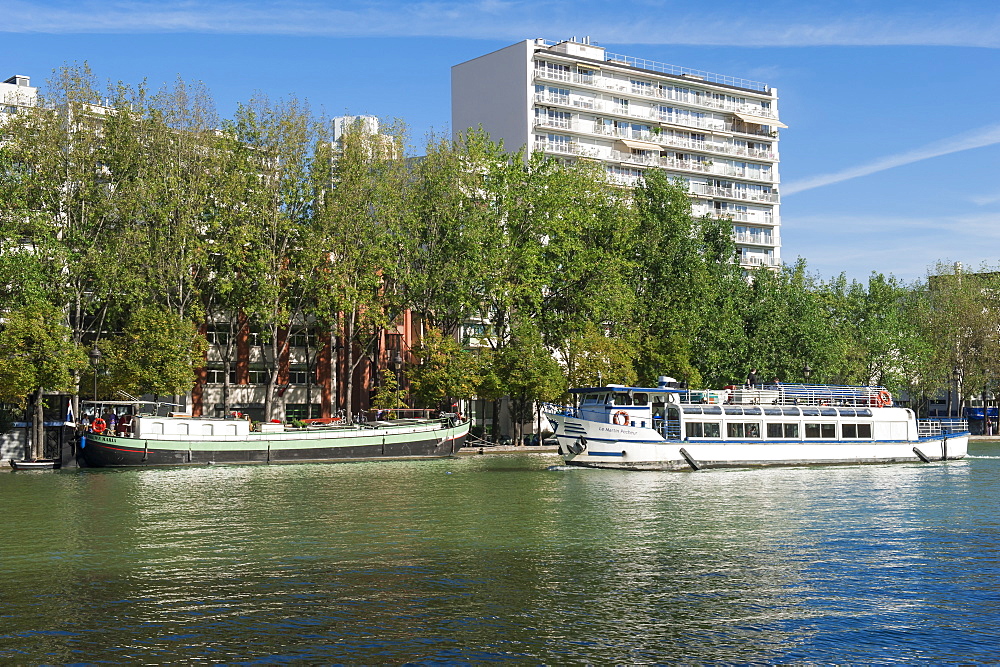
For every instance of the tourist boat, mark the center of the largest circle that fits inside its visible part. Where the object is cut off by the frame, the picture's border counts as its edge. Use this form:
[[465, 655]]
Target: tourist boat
[[673, 428], [180, 439]]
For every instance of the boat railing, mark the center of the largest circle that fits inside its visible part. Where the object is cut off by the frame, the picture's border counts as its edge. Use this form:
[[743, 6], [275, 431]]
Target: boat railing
[[941, 426], [795, 394], [558, 409]]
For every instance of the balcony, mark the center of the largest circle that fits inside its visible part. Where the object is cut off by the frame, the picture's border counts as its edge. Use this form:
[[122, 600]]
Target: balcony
[[555, 123], [655, 92], [544, 98], [734, 193], [686, 121], [754, 239], [677, 142], [563, 148], [757, 260], [551, 75]]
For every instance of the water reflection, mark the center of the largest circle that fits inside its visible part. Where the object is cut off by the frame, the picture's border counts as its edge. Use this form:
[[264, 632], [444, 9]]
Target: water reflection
[[501, 558]]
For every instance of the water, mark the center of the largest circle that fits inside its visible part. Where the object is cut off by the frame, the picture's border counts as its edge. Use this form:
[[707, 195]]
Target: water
[[502, 558]]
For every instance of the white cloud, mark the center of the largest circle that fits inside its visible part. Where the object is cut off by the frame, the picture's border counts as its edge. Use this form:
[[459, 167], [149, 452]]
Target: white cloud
[[986, 136], [903, 246], [985, 200]]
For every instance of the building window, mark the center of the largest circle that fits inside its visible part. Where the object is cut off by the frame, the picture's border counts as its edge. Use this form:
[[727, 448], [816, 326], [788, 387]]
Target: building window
[[298, 374], [300, 411], [217, 336], [217, 375], [257, 376], [641, 87]]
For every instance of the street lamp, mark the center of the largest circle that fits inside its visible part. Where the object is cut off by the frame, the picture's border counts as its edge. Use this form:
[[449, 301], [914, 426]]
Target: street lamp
[[397, 362], [807, 371], [956, 375], [95, 360]]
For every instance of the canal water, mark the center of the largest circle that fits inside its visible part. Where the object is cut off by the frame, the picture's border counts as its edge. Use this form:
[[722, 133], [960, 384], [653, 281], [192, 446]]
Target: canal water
[[502, 558]]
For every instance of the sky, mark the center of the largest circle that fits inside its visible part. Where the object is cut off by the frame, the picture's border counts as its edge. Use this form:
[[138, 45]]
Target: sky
[[890, 162]]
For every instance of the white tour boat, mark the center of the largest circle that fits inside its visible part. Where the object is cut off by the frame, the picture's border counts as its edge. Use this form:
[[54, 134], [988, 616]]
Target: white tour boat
[[672, 428]]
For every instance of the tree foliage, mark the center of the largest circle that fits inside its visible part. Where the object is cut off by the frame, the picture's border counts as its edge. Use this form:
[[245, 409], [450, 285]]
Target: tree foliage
[[136, 220]]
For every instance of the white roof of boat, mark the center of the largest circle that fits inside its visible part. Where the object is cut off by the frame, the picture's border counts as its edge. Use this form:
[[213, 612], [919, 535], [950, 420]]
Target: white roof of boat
[[622, 389]]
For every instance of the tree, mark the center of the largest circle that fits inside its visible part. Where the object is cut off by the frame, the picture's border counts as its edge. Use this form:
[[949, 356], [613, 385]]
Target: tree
[[685, 278], [37, 354], [361, 237], [156, 353], [445, 370], [278, 144], [527, 373], [959, 323]]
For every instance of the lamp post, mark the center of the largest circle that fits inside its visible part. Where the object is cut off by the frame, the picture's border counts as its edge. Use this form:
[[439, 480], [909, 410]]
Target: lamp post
[[397, 362], [956, 375], [807, 371], [95, 360]]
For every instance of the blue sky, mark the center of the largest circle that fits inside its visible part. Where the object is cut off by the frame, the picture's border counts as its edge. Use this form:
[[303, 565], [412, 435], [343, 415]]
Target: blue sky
[[890, 162]]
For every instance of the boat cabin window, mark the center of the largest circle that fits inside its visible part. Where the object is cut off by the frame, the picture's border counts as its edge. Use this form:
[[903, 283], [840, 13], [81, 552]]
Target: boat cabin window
[[640, 399], [810, 412], [848, 412], [826, 431], [730, 410], [865, 413], [743, 430], [623, 399], [790, 412], [783, 431], [591, 399], [713, 410], [828, 412], [692, 410], [702, 429], [856, 430], [773, 411], [751, 411]]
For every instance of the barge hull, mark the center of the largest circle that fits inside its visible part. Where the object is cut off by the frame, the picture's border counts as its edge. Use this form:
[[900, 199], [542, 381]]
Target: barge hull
[[100, 451]]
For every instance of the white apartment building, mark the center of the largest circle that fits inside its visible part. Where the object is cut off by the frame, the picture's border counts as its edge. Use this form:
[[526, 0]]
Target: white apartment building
[[17, 93], [573, 99]]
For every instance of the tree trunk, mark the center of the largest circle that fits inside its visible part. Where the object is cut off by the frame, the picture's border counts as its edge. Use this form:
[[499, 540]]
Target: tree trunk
[[38, 426], [349, 365]]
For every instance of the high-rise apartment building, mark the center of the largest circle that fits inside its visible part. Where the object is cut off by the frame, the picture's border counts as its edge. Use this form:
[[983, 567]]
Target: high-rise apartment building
[[573, 99], [17, 93]]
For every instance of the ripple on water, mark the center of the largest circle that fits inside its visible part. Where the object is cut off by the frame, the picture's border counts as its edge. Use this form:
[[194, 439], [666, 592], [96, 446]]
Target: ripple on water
[[496, 558]]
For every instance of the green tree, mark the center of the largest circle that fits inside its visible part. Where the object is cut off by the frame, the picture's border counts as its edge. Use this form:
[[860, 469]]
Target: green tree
[[445, 370], [155, 353], [37, 354], [361, 235]]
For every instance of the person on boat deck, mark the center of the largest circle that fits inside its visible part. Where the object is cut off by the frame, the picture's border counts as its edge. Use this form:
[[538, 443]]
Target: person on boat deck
[[752, 379]]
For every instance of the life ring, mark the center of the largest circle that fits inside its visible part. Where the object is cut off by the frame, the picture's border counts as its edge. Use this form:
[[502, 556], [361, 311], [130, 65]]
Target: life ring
[[884, 399], [98, 425], [623, 415]]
